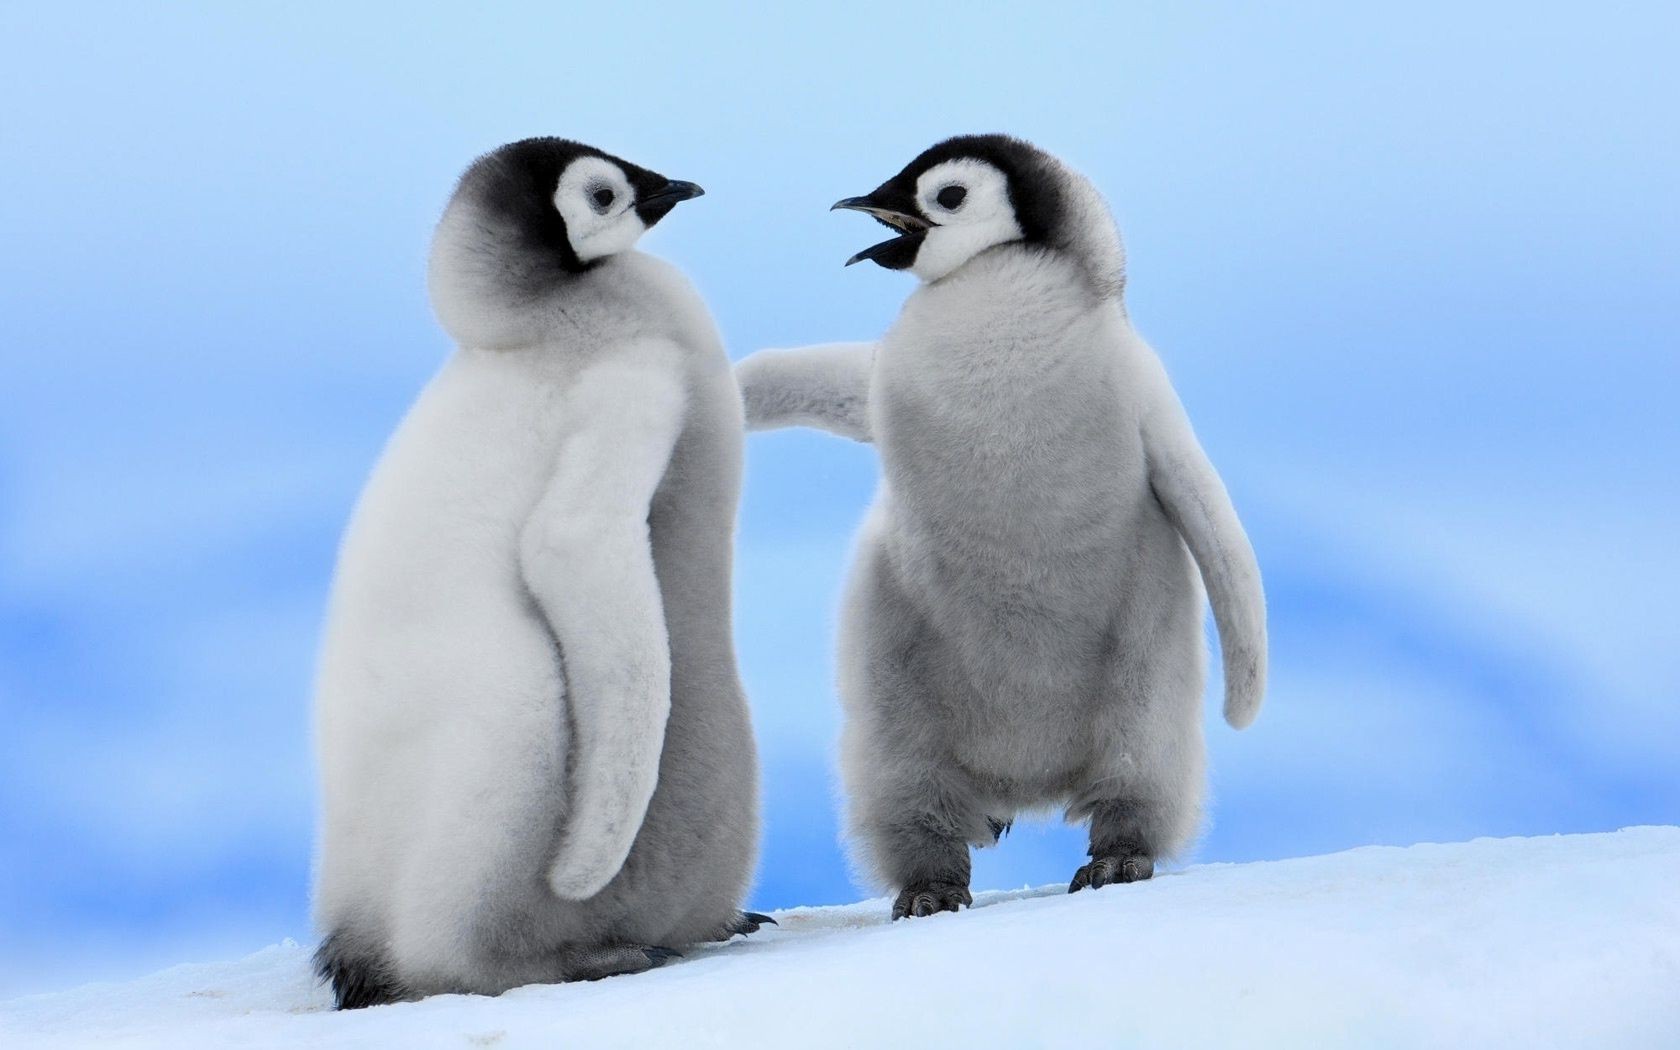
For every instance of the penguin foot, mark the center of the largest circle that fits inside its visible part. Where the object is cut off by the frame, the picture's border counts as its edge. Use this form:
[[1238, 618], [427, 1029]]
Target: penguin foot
[[998, 828], [926, 898], [613, 960], [1129, 867], [657, 956], [746, 922]]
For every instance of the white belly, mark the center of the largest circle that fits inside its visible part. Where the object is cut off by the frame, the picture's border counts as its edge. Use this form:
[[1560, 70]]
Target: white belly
[[439, 717]]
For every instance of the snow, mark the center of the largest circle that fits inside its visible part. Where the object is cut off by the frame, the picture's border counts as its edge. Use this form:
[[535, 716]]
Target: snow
[[1567, 940]]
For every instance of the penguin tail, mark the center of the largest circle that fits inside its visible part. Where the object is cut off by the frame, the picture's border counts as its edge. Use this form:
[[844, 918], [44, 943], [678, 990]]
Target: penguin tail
[[358, 977]]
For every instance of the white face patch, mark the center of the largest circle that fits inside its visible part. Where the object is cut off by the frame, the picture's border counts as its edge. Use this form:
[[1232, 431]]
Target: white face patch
[[597, 203], [968, 203]]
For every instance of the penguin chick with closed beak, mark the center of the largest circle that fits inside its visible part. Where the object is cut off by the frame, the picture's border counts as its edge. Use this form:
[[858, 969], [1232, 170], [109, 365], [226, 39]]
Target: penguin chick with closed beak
[[1022, 626], [536, 758]]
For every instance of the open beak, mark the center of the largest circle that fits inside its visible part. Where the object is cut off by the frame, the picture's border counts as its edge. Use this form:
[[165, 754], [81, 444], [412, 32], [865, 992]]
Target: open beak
[[890, 209]]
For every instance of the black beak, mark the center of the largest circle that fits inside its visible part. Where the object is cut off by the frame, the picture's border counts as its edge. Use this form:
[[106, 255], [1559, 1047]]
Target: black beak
[[893, 216], [890, 209], [673, 192], [656, 205]]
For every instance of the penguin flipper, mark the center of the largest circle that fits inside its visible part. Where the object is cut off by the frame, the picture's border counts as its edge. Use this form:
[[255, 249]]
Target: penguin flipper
[[585, 556], [826, 387], [1189, 490]]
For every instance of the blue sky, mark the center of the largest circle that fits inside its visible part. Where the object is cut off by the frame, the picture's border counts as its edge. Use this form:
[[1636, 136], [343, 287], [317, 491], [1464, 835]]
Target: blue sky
[[1414, 272]]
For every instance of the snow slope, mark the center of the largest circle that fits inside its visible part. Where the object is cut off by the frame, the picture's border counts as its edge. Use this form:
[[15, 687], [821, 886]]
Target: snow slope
[[1563, 941]]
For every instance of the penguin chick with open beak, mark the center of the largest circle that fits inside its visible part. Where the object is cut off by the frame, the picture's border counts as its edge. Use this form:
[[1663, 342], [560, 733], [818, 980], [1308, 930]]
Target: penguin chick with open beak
[[1023, 623]]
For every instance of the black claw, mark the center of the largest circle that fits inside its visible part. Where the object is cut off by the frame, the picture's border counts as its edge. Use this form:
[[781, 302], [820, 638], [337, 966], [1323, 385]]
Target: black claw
[[998, 828], [930, 899], [1102, 871], [747, 922], [660, 956]]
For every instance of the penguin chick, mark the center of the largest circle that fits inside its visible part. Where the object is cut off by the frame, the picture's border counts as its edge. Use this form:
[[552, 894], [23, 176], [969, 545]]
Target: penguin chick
[[535, 753], [1022, 626]]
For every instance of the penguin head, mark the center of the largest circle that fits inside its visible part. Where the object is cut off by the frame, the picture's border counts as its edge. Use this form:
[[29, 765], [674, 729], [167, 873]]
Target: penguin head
[[530, 215], [975, 192]]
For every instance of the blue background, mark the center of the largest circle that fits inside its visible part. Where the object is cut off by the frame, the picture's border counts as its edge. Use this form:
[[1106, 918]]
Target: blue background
[[1414, 270]]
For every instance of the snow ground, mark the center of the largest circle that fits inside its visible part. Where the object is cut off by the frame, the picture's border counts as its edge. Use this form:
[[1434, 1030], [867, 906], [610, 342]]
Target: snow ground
[[1561, 941]]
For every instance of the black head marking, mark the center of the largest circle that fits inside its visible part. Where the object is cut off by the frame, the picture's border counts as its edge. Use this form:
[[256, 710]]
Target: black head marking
[[515, 185], [1031, 177], [1034, 190]]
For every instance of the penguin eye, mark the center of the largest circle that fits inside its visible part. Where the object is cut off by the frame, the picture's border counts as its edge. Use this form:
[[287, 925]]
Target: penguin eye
[[951, 197], [603, 198]]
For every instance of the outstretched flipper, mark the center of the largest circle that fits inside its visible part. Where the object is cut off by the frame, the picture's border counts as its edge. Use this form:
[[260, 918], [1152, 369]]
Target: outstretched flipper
[[1196, 502], [585, 556], [826, 387]]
